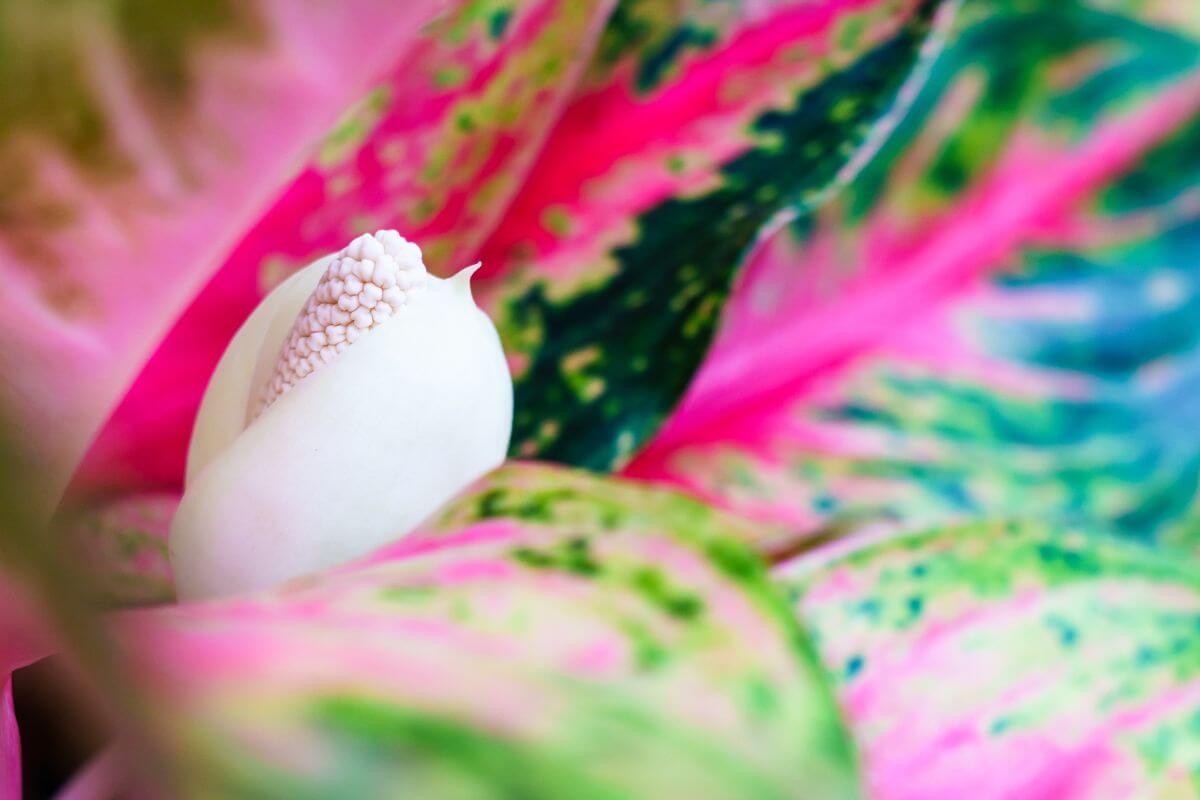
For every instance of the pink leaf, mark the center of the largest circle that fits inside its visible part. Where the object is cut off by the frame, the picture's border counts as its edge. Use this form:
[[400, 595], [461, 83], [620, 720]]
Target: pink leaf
[[22, 641], [10, 744], [443, 144], [435, 149]]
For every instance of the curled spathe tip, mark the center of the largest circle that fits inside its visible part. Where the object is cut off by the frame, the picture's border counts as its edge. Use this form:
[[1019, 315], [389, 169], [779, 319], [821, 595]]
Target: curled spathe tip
[[461, 280]]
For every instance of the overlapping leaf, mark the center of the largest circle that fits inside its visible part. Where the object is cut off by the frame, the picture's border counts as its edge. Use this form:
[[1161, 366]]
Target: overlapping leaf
[[993, 322], [617, 255], [1013, 659], [558, 634], [995, 318], [32, 593], [582, 641]]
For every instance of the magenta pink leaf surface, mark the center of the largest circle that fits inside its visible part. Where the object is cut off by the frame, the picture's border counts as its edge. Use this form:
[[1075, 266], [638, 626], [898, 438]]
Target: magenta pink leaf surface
[[580, 638], [10, 743]]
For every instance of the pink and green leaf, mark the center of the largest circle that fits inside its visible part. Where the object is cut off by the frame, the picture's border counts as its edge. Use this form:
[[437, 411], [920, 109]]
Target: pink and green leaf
[[123, 543], [975, 330], [995, 319], [1012, 659], [580, 640], [607, 276]]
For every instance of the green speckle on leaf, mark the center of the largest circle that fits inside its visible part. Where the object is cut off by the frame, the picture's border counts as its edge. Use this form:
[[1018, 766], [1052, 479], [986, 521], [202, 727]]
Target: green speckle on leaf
[[354, 128], [657, 63], [498, 23], [655, 587], [663, 300], [557, 220], [449, 76], [762, 698]]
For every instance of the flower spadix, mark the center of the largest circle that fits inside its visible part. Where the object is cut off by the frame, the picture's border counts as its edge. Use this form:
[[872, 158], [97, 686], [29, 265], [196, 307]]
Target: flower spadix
[[359, 396]]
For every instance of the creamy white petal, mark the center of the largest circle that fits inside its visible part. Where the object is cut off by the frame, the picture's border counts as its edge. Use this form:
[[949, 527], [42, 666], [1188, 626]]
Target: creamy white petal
[[245, 366], [353, 456]]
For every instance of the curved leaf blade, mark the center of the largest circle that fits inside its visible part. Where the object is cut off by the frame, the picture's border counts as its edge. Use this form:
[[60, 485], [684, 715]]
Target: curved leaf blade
[[533, 653], [615, 259]]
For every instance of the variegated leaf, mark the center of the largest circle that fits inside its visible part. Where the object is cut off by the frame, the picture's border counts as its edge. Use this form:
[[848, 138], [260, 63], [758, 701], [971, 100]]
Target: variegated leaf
[[582, 640], [995, 318], [608, 274], [1012, 659]]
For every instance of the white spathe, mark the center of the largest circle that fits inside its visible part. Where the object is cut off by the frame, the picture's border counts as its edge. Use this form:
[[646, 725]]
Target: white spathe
[[355, 455]]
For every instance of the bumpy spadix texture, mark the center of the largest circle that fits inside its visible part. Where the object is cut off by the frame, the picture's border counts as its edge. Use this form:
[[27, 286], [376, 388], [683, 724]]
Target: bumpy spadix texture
[[363, 287], [309, 452]]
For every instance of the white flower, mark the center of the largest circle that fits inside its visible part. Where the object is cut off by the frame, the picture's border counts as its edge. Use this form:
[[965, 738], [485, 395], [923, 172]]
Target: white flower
[[358, 397]]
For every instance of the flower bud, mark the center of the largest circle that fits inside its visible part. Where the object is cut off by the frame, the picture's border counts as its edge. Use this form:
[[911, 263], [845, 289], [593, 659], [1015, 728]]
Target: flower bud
[[323, 436]]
